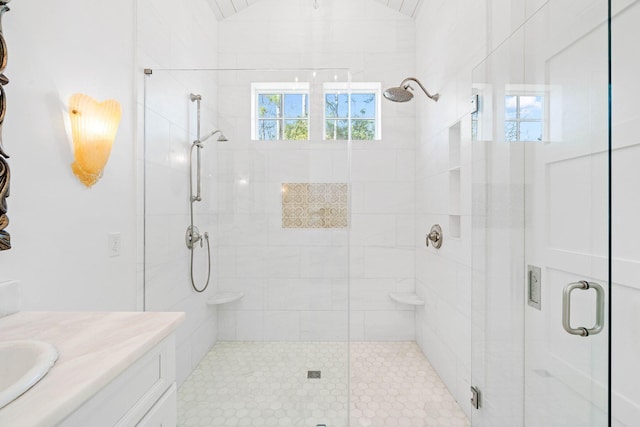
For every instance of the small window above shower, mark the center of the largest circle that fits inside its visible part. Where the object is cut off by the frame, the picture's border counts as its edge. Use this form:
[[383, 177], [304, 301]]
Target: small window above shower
[[280, 111], [352, 110], [329, 111]]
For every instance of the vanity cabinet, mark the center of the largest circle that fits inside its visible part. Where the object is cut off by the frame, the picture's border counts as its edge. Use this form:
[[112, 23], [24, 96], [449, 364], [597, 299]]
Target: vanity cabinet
[[143, 395], [113, 369]]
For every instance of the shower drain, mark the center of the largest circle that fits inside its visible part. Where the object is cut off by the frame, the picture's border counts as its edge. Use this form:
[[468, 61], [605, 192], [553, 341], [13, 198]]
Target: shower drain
[[313, 374]]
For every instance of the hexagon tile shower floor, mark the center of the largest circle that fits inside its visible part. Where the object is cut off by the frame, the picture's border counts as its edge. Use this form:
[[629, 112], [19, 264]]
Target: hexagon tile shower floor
[[267, 384]]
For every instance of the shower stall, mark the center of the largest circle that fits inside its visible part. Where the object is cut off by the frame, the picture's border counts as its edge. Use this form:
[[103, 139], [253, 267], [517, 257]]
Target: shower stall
[[521, 163]]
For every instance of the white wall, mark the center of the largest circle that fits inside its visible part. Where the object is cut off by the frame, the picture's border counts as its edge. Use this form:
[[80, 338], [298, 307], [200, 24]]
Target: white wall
[[175, 37], [305, 297], [59, 228]]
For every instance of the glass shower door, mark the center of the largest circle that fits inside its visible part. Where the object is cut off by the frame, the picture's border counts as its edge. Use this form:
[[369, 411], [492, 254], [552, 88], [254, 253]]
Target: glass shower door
[[566, 200], [540, 342], [267, 342]]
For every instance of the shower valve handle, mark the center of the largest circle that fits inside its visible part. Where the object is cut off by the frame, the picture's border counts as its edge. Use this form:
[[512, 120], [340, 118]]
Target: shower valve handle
[[435, 235], [192, 237]]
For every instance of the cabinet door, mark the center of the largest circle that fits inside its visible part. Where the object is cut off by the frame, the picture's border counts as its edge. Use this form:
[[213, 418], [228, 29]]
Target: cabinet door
[[164, 412]]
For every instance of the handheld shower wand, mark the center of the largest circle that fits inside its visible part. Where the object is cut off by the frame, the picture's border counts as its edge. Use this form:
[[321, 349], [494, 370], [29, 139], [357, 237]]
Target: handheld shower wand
[[193, 235]]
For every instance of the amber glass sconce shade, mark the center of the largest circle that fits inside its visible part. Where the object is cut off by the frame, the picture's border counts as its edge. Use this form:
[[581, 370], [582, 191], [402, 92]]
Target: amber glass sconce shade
[[94, 125]]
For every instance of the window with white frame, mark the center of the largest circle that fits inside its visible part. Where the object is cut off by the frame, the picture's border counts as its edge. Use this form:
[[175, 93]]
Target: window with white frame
[[352, 110], [524, 117], [280, 111]]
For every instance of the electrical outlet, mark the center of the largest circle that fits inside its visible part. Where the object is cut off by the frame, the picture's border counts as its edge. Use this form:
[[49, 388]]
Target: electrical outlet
[[114, 244]]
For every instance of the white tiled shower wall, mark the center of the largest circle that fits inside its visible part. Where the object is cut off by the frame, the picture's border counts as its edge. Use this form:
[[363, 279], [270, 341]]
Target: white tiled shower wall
[[299, 290], [175, 37], [450, 42]]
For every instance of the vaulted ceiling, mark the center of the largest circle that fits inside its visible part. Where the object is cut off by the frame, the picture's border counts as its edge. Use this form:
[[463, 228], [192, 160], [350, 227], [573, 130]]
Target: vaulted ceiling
[[226, 8]]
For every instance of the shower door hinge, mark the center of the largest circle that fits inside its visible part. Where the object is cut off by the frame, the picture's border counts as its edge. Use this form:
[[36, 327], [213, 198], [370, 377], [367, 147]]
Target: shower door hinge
[[475, 103], [475, 397], [148, 71]]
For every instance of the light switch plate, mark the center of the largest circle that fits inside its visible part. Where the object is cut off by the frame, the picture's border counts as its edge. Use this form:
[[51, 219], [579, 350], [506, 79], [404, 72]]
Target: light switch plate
[[114, 244]]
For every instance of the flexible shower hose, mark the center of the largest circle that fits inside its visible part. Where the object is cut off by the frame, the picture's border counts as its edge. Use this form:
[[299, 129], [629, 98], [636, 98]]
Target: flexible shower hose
[[193, 282]]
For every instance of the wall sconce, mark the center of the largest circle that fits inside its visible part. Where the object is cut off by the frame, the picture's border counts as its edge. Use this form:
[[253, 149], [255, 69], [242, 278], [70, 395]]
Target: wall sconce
[[94, 125]]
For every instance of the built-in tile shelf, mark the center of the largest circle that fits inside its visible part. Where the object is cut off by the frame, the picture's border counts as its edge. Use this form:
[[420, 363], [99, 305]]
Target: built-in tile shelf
[[454, 146], [406, 298], [454, 191], [225, 298], [454, 181], [454, 226]]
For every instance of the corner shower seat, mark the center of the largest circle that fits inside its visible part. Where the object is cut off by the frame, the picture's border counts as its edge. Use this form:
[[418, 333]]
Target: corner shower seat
[[224, 298], [407, 298]]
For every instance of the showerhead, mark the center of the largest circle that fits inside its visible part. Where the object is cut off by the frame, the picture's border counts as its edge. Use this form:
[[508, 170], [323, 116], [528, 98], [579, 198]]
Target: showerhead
[[402, 93], [398, 94], [221, 137]]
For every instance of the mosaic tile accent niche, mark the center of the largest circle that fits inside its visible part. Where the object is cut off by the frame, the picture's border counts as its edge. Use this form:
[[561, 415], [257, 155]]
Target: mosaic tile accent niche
[[311, 205]]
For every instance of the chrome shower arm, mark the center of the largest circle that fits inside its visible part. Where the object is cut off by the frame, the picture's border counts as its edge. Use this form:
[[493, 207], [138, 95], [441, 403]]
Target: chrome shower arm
[[406, 85]]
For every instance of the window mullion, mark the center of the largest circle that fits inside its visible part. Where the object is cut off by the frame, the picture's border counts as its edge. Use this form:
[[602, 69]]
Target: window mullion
[[349, 113], [518, 118], [281, 118]]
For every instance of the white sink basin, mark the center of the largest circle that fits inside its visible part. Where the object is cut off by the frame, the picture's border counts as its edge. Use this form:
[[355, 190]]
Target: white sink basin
[[22, 365]]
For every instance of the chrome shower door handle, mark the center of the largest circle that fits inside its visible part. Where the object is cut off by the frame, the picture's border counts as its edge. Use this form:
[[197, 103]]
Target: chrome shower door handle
[[566, 308]]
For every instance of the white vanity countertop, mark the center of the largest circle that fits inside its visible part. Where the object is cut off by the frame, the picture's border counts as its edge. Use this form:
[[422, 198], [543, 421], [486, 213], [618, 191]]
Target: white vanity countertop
[[94, 348]]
